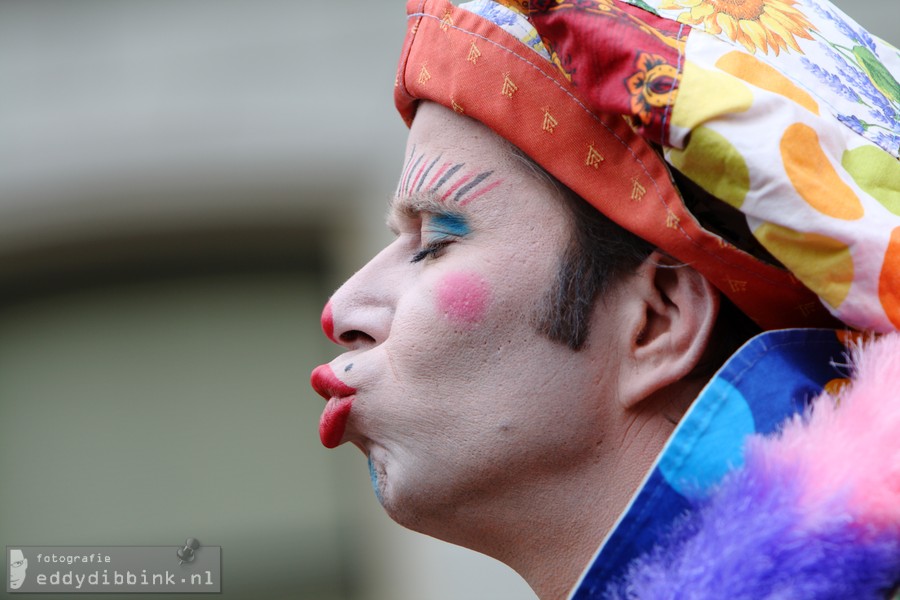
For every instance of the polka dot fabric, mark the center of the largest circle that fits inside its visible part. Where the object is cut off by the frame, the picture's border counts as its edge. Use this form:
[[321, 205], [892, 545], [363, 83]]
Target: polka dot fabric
[[764, 383], [486, 61], [814, 129], [787, 110]]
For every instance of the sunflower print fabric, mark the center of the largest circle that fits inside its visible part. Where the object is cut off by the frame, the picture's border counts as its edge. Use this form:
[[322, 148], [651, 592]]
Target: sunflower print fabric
[[787, 110], [759, 25]]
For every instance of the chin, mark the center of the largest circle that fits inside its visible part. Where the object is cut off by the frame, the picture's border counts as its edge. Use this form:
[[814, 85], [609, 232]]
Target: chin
[[405, 502], [436, 512]]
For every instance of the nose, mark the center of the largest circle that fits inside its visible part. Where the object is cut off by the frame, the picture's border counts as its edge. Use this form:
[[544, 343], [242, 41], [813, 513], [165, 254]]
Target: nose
[[359, 314]]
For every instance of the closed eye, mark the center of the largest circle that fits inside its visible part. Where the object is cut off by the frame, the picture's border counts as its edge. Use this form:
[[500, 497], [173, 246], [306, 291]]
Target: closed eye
[[431, 250]]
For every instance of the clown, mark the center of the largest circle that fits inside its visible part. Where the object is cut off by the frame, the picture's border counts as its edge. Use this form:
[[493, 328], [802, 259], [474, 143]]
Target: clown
[[590, 350]]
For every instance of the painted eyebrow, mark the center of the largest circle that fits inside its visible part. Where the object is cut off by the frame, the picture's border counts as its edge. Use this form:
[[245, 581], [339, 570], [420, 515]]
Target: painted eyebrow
[[426, 201], [454, 181]]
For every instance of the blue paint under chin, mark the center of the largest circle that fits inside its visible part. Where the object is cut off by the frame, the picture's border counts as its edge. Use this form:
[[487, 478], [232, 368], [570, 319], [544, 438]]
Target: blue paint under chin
[[450, 223], [374, 477]]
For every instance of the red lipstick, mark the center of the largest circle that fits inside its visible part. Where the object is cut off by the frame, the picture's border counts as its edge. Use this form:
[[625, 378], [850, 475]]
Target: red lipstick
[[340, 400]]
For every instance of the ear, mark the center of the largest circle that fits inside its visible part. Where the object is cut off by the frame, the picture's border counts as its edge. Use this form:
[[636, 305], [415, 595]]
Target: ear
[[670, 310]]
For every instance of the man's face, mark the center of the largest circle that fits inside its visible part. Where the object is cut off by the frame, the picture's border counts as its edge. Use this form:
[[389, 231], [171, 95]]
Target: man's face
[[459, 402], [17, 566]]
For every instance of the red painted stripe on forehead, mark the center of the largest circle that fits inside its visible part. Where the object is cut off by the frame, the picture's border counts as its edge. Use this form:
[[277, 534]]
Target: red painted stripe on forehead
[[456, 185], [418, 176], [437, 175], [412, 166], [480, 192]]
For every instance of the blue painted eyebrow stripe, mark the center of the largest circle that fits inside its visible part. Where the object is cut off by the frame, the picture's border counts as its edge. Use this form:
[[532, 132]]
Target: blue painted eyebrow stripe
[[448, 175], [464, 189], [427, 171]]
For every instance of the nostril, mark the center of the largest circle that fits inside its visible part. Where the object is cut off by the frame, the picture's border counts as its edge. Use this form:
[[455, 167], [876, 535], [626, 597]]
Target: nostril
[[354, 336]]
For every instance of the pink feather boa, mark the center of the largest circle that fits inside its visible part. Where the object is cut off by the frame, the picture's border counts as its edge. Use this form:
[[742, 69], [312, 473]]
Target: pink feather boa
[[814, 512]]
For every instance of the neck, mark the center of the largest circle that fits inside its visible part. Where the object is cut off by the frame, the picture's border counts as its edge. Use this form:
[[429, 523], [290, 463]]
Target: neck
[[549, 528]]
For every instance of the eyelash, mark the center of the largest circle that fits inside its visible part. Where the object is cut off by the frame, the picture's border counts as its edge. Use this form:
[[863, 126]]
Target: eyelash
[[431, 250]]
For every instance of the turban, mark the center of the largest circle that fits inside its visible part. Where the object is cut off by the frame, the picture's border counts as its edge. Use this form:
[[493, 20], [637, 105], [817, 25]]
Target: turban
[[784, 110]]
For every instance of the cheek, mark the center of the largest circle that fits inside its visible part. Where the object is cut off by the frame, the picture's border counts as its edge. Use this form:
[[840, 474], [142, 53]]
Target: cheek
[[463, 298]]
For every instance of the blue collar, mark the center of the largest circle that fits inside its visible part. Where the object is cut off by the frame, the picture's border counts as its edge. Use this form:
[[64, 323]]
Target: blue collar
[[770, 378]]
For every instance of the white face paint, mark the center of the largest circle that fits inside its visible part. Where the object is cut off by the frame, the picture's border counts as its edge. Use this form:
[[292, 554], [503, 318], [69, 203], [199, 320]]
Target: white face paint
[[446, 385]]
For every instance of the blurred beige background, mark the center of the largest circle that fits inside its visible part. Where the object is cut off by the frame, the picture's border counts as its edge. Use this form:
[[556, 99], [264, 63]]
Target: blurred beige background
[[182, 185]]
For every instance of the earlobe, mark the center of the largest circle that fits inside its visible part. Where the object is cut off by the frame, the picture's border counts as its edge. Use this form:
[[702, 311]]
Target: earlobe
[[671, 312]]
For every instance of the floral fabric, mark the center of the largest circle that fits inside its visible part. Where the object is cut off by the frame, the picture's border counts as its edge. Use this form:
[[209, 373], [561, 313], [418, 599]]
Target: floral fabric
[[787, 110], [470, 64], [804, 133]]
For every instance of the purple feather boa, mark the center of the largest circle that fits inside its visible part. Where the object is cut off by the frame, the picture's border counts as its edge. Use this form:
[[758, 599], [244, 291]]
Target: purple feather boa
[[749, 542], [763, 535]]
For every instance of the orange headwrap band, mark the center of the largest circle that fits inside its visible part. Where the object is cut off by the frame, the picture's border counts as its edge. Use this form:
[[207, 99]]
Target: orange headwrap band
[[464, 62]]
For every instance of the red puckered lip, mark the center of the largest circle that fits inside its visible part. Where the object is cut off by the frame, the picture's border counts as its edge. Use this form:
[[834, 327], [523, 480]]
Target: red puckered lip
[[340, 400]]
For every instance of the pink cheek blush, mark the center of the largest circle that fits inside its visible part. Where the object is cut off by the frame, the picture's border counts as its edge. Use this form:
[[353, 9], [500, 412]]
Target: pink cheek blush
[[463, 298]]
